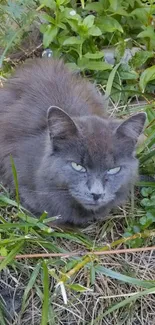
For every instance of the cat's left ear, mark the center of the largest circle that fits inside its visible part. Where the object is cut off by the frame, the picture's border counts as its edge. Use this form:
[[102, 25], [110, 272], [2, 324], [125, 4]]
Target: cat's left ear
[[60, 124], [132, 127]]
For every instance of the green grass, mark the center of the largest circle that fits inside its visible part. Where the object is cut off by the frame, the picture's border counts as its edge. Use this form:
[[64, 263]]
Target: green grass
[[85, 288]]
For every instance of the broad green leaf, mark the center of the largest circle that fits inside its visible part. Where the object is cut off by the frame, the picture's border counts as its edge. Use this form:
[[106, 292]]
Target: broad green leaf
[[72, 40], [95, 6], [141, 13], [146, 191], [48, 18], [62, 2], [114, 4], [96, 55], [147, 75], [3, 251], [94, 31], [78, 287], [71, 14], [49, 35], [109, 24], [48, 3], [140, 58], [147, 220], [44, 318], [128, 75], [89, 21], [124, 278], [86, 64], [30, 284], [148, 32]]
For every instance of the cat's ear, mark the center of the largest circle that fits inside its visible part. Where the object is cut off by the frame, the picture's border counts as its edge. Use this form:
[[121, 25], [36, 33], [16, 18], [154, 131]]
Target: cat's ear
[[132, 127], [60, 124]]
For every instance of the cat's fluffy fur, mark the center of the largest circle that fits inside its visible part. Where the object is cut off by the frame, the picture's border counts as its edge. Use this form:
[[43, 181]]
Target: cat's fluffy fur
[[49, 118]]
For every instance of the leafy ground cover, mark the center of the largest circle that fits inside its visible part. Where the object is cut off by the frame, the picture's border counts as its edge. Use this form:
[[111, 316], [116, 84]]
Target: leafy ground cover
[[113, 44]]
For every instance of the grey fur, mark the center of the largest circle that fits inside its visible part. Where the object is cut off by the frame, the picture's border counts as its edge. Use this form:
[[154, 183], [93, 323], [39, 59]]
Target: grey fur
[[44, 140]]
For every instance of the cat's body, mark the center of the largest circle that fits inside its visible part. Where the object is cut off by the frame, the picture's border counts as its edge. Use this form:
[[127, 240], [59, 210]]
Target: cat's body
[[70, 161]]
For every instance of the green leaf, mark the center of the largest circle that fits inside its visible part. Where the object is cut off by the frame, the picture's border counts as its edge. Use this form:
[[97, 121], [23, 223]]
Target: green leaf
[[48, 3], [48, 18], [11, 255], [151, 184], [128, 75], [147, 220], [109, 24], [141, 13], [72, 40], [147, 75], [3, 251], [146, 191], [30, 284], [114, 4], [95, 6], [89, 21], [49, 35], [140, 58], [110, 80], [78, 287], [86, 64], [94, 31], [147, 33], [70, 14], [44, 319], [124, 278], [96, 55], [4, 199]]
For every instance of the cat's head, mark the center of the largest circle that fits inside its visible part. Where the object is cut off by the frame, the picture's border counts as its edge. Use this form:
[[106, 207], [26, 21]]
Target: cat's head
[[93, 158]]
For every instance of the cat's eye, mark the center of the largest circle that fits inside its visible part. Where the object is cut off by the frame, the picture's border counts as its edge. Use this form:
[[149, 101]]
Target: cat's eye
[[78, 167], [113, 171]]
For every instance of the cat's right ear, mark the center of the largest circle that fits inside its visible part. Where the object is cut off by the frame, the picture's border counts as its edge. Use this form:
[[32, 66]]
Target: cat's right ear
[[60, 124]]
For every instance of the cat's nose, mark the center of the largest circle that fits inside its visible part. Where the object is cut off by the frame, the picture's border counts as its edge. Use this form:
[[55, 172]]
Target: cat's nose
[[96, 196]]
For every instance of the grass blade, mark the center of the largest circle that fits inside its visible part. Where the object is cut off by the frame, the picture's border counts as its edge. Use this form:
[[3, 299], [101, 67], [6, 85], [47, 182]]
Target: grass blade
[[128, 300], [124, 278], [44, 319], [14, 171], [11, 255], [30, 285], [2, 321], [147, 157]]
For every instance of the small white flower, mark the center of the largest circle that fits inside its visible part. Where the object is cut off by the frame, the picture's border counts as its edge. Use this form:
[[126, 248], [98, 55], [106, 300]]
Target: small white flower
[[72, 13]]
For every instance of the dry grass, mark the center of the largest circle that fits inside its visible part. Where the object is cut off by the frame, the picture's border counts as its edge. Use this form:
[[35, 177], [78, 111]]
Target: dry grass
[[103, 291]]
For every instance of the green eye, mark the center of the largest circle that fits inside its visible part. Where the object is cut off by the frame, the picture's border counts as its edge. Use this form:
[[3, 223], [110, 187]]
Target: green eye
[[113, 171], [78, 167]]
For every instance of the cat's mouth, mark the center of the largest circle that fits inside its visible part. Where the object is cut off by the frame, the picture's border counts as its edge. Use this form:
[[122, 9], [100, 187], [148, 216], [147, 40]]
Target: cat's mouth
[[93, 206]]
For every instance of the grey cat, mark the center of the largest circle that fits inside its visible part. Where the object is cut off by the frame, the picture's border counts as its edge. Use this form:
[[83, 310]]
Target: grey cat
[[70, 159]]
